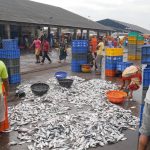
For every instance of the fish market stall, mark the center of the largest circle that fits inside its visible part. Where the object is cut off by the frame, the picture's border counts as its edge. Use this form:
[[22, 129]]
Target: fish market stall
[[76, 118]]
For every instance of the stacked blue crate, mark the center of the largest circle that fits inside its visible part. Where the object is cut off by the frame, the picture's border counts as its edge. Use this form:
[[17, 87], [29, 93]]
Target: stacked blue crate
[[146, 77], [11, 62], [79, 54], [2, 54], [10, 44], [111, 62], [113, 59], [14, 79], [146, 60], [121, 66], [110, 66], [79, 46], [145, 54], [141, 114], [10, 54]]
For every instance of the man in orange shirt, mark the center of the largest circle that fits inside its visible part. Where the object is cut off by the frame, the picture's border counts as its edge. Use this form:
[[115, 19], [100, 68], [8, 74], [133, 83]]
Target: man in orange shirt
[[93, 45]]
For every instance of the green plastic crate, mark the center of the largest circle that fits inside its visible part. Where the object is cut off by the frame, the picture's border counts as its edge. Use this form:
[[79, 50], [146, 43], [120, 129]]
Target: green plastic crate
[[140, 38], [133, 34]]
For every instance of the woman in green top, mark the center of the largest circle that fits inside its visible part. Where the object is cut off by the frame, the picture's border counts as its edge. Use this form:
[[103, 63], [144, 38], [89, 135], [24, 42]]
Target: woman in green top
[[3, 105]]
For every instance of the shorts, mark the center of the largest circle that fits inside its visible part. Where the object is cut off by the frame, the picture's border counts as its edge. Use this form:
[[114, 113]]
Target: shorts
[[37, 51], [145, 128]]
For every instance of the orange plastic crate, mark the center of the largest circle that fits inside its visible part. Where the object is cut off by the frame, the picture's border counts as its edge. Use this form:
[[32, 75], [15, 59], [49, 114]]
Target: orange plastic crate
[[110, 73]]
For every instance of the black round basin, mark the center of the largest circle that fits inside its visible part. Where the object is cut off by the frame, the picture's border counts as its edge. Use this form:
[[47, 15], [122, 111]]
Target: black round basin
[[39, 88], [65, 82]]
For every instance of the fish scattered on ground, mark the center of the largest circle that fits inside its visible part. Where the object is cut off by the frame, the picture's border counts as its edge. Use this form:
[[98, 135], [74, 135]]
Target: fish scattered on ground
[[70, 119]]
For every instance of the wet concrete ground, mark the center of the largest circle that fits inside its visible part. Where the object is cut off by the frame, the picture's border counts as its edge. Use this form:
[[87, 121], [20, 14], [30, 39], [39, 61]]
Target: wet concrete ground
[[44, 74], [130, 143]]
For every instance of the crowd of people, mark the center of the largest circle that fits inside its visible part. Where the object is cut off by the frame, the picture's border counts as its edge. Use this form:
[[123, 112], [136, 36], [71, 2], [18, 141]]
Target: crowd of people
[[96, 48], [42, 49]]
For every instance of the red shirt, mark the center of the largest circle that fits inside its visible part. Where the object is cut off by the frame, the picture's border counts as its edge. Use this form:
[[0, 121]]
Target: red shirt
[[115, 43], [37, 43], [137, 75], [46, 46]]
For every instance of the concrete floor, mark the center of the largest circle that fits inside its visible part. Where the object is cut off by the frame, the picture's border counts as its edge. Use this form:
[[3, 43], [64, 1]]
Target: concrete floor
[[130, 143], [48, 71]]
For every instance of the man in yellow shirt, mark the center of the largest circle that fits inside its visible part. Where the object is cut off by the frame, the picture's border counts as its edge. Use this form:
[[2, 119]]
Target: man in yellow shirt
[[4, 81], [100, 48]]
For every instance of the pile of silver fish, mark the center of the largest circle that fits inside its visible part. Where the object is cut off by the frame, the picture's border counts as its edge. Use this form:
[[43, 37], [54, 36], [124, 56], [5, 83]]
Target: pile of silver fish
[[69, 119]]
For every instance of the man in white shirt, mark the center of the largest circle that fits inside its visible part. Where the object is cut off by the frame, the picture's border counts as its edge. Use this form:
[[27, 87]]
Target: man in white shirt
[[145, 128]]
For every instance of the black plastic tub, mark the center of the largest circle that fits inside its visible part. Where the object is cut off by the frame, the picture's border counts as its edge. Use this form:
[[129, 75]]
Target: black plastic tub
[[39, 88], [65, 82]]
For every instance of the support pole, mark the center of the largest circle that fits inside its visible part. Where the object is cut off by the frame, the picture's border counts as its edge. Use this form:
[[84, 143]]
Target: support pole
[[88, 34], [7, 29], [49, 31]]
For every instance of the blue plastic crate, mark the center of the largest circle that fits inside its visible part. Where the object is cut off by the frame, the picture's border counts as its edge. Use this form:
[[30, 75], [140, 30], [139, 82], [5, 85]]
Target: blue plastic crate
[[76, 65], [79, 56], [10, 44], [145, 54], [141, 114], [80, 62], [146, 49], [79, 43], [146, 77], [121, 66], [75, 68], [145, 59], [110, 66], [2, 53], [14, 79], [11, 62], [79, 50], [12, 54], [113, 59], [13, 70]]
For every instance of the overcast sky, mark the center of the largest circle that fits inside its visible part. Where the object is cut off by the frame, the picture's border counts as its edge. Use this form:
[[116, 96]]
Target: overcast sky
[[131, 11]]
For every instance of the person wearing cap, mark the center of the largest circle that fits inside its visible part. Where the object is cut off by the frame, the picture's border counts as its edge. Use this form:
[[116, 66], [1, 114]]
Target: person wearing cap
[[133, 77], [145, 128]]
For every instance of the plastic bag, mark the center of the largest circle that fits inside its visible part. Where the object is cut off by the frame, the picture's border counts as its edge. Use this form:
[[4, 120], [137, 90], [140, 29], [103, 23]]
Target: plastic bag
[[2, 108]]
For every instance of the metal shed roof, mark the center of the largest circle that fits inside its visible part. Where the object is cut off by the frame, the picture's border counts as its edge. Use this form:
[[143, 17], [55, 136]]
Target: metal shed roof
[[119, 25], [25, 11]]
